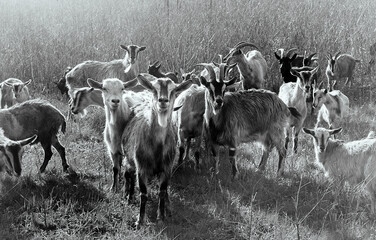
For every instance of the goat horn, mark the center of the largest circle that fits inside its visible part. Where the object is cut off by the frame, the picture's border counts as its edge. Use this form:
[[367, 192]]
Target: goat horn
[[222, 71], [210, 70], [336, 55], [155, 63], [245, 44], [311, 56], [290, 51]]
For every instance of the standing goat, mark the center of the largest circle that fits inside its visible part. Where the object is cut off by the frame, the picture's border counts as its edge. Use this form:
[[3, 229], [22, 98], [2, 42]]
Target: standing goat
[[36, 117], [124, 69], [333, 105], [353, 161], [118, 113], [14, 91], [252, 65], [150, 141], [11, 153], [245, 116], [340, 66], [294, 94]]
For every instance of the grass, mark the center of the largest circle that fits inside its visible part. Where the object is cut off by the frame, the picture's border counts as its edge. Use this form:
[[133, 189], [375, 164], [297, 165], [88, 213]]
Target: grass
[[41, 38]]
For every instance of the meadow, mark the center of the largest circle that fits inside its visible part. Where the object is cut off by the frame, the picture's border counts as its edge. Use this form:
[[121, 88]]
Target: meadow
[[40, 38]]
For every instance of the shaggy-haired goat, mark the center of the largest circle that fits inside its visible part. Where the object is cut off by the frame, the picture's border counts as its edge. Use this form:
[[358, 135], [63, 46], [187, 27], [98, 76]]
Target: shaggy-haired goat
[[14, 91], [354, 161], [252, 65], [294, 94], [11, 153], [150, 141], [340, 66], [124, 69], [333, 105], [35, 117], [245, 116]]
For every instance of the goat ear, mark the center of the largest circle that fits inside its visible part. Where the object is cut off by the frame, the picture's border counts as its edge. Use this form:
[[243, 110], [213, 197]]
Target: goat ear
[[142, 48], [29, 140], [204, 82], [124, 47], [130, 83], [94, 84], [277, 56], [27, 82], [309, 131], [183, 86], [177, 108], [335, 131], [293, 57], [320, 85], [231, 81], [90, 90], [144, 80]]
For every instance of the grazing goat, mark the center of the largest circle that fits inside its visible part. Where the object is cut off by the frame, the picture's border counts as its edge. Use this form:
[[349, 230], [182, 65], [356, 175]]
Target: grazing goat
[[155, 70], [353, 161], [149, 142], [294, 94], [36, 117], [11, 153], [61, 84], [333, 105], [117, 106], [245, 116], [340, 66], [14, 91], [189, 119], [252, 65], [124, 69]]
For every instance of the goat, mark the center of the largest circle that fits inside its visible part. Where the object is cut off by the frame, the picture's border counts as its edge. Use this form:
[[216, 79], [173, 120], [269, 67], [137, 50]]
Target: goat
[[189, 119], [85, 97], [36, 117], [14, 91], [150, 140], [11, 153], [340, 66], [124, 69], [117, 106], [355, 161], [245, 116], [155, 70], [332, 105], [294, 94], [252, 65], [61, 84]]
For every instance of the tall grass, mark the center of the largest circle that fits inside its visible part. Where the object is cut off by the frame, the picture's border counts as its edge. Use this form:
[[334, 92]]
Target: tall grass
[[40, 38]]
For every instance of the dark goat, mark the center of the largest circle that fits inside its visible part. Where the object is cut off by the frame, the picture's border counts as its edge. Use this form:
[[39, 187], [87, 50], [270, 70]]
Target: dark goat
[[340, 66], [62, 83], [155, 70], [245, 116], [36, 117]]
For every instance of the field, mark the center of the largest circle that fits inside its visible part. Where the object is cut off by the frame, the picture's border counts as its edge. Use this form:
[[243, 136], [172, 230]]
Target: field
[[39, 39]]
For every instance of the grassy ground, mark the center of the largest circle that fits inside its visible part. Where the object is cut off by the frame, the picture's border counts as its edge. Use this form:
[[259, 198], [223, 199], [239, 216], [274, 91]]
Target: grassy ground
[[40, 38]]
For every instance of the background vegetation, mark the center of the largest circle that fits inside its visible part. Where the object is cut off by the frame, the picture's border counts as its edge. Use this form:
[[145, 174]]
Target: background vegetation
[[40, 38]]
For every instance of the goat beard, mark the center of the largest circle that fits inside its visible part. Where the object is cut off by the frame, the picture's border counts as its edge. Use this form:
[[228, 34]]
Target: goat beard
[[163, 118]]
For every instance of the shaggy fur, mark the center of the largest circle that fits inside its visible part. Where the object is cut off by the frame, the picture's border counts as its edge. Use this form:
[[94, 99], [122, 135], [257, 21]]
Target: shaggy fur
[[14, 91], [149, 143], [36, 117], [353, 161], [332, 106]]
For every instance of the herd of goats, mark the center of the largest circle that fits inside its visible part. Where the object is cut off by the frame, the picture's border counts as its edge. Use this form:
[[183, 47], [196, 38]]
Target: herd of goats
[[149, 114]]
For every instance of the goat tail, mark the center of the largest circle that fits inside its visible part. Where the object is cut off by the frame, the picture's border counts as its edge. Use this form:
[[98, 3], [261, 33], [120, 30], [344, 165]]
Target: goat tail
[[294, 112], [64, 126]]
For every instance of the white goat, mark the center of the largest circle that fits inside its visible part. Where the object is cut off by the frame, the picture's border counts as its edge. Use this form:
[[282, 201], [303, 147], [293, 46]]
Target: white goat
[[36, 117], [252, 65], [14, 91], [353, 161], [11, 153], [340, 66], [124, 69], [117, 109], [245, 116], [332, 106], [294, 94], [150, 142]]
